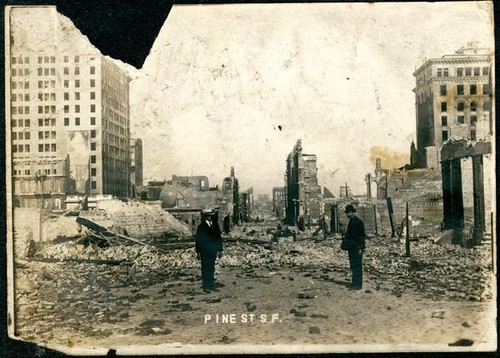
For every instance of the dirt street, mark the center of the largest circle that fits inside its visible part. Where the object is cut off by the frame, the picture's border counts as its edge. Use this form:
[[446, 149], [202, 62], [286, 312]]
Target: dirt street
[[304, 304]]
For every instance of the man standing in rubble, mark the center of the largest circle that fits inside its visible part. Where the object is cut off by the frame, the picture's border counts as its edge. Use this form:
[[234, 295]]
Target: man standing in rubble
[[208, 247], [354, 243]]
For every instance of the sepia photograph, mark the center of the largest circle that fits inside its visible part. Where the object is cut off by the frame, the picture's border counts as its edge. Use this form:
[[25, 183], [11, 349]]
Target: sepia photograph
[[255, 178]]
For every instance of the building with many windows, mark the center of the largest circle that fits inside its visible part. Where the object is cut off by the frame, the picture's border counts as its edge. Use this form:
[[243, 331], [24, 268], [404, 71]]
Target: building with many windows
[[453, 99], [67, 104]]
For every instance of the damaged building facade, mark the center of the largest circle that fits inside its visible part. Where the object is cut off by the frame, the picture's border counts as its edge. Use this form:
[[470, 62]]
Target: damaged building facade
[[453, 96], [68, 110], [186, 196], [302, 189]]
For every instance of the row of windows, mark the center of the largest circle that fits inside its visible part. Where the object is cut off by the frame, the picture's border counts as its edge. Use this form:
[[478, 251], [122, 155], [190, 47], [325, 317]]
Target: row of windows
[[20, 110], [20, 97], [28, 171], [460, 106], [460, 120], [46, 109], [443, 89], [20, 123], [20, 85], [21, 135], [46, 97], [47, 147], [46, 122], [20, 148], [77, 96], [46, 134], [77, 108], [46, 71], [67, 121], [77, 83], [77, 70], [20, 60], [464, 71], [445, 135], [20, 72], [46, 84]]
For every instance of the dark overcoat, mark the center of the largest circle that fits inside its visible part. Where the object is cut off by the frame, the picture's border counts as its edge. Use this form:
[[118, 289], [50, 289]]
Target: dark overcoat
[[208, 239], [355, 234]]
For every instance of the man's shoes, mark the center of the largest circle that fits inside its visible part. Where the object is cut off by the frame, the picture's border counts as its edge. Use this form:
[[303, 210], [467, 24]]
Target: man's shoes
[[354, 288], [206, 290]]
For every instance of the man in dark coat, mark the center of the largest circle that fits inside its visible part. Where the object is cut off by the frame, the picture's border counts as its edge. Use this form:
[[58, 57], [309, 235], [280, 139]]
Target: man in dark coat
[[208, 248], [355, 242]]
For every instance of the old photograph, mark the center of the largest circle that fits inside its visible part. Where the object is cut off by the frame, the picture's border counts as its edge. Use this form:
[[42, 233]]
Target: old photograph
[[272, 178]]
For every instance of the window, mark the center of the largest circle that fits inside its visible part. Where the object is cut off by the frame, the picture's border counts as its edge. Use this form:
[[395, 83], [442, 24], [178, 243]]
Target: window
[[92, 108], [26, 85], [27, 123], [468, 71], [93, 184], [66, 71], [27, 150], [444, 106], [77, 70], [460, 89], [77, 96], [27, 135], [92, 146], [40, 109], [92, 121], [473, 134], [445, 72], [52, 71], [14, 148], [40, 59], [477, 71], [14, 60], [444, 135], [53, 147], [486, 106], [93, 159], [473, 107], [77, 83], [14, 135], [40, 122], [52, 134], [92, 134], [460, 72], [92, 70], [473, 119], [486, 71], [77, 108], [442, 89], [52, 59], [66, 121], [77, 59], [53, 122], [92, 83], [461, 119], [40, 147], [53, 109], [440, 72], [93, 172], [40, 71], [77, 121], [460, 106], [92, 95], [46, 147], [66, 108], [66, 59], [473, 89], [46, 71], [66, 83], [486, 89], [444, 120], [66, 96]]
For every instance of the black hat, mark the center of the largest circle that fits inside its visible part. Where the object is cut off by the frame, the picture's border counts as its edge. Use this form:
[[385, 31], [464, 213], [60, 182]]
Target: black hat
[[350, 209]]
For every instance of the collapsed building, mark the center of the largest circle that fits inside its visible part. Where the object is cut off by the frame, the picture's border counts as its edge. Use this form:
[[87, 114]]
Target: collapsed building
[[302, 189], [185, 196]]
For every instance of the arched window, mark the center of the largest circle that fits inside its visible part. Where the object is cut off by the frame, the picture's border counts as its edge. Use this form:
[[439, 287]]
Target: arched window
[[473, 107], [486, 106], [460, 106]]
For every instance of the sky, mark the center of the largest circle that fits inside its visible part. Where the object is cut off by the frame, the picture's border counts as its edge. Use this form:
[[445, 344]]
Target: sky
[[237, 85]]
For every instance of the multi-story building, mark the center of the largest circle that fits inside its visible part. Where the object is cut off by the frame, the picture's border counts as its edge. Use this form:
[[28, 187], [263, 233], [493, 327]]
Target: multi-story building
[[302, 189], [136, 165], [453, 99], [66, 102]]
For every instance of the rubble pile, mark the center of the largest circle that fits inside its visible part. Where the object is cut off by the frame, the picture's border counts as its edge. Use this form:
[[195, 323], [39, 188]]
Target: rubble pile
[[137, 220], [434, 270]]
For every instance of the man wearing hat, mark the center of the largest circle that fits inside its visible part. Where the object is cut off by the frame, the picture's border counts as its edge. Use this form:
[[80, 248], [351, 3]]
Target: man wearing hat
[[208, 246], [355, 244]]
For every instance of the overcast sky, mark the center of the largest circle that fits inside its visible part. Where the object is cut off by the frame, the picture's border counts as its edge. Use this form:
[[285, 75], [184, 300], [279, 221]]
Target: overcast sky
[[221, 80]]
